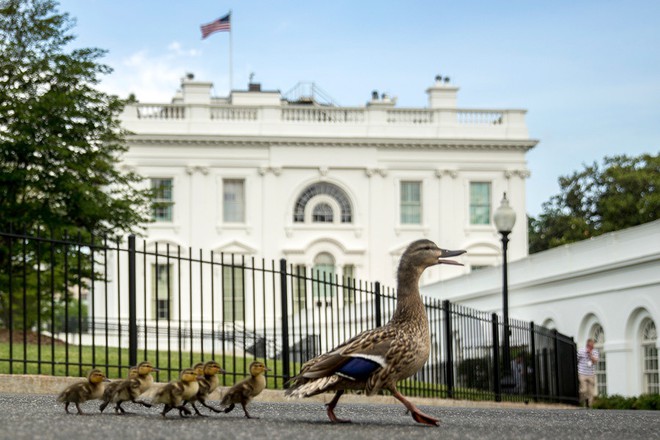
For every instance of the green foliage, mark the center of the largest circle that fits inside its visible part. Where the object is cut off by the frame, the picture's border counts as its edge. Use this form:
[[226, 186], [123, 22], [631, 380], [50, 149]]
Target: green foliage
[[61, 138], [60, 146], [621, 194], [615, 401], [473, 373]]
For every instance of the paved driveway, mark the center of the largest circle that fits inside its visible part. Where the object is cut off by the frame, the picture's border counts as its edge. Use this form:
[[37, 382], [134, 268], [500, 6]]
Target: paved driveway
[[41, 417]]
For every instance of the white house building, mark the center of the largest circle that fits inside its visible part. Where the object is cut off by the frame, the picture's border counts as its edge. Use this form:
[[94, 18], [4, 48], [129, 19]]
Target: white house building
[[342, 189], [606, 288]]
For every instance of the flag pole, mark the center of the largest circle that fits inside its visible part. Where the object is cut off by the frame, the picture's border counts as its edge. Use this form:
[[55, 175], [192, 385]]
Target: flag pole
[[231, 70]]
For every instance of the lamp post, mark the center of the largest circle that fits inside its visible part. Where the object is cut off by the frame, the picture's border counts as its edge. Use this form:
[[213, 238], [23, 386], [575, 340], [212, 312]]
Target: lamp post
[[505, 218]]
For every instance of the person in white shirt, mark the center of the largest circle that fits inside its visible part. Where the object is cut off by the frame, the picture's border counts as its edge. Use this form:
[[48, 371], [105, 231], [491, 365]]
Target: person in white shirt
[[587, 359]]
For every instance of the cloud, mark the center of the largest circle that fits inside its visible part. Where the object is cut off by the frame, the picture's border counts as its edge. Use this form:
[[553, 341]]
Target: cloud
[[151, 77]]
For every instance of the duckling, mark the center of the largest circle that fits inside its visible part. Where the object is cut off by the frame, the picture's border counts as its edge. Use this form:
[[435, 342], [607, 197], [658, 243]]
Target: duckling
[[126, 390], [80, 392], [144, 370], [247, 389], [379, 358], [208, 382], [175, 394]]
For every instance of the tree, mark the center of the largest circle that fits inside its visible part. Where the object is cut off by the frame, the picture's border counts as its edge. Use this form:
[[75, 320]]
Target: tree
[[621, 194], [60, 142]]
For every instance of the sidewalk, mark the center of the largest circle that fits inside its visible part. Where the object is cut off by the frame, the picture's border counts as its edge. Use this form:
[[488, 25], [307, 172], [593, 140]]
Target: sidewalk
[[40, 384]]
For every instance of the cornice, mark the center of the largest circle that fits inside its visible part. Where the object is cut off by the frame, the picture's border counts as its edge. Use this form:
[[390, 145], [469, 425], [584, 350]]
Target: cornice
[[383, 143]]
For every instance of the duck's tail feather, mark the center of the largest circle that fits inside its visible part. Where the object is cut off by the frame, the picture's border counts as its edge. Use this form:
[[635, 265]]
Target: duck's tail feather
[[312, 387]]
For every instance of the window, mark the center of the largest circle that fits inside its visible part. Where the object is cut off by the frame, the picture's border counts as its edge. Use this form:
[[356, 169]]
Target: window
[[233, 200], [598, 335], [650, 357], [411, 203], [323, 188], [322, 213], [299, 288], [161, 286], [233, 293], [349, 283], [163, 201], [323, 278], [479, 203]]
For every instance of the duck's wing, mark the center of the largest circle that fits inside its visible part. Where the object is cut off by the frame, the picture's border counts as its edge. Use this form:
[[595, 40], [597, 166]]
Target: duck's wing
[[356, 359], [78, 392]]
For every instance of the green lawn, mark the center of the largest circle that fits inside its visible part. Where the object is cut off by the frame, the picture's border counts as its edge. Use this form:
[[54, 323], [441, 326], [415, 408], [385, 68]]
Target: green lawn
[[51, 360]]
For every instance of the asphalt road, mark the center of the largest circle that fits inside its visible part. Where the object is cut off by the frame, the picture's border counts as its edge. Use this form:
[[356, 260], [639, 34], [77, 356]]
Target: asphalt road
[[41, 417]]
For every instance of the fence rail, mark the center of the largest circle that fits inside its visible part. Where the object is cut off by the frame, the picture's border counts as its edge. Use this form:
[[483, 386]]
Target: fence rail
[[68, 304]]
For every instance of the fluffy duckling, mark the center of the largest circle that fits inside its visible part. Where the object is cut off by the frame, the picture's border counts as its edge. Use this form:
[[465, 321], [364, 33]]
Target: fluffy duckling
[[247, 389], [175, 394], [208, 382], [80, 392], [144, 370], [379, 358], [120, 391]]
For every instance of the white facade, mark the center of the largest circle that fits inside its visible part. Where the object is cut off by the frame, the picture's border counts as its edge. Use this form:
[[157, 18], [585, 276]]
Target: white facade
[[345, 165], [606, 288]]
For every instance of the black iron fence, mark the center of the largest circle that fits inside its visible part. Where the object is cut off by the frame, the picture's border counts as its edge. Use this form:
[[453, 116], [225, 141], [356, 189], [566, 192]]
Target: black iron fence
[[67, 304]]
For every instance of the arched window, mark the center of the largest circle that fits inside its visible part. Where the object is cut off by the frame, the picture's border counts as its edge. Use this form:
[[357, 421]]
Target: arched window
[[322, 213], [598, 335], [345, 211], [650, 357]]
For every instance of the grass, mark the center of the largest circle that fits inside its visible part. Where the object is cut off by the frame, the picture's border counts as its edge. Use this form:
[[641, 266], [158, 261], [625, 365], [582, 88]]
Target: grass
[[51, 360]]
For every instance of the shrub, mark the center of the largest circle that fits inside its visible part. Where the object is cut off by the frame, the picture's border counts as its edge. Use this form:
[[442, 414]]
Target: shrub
[[616, 401]]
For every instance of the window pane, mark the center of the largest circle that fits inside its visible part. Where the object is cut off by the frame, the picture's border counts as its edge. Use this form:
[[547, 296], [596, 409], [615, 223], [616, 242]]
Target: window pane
[[233, 293], [163, 201], [348, 283], [411, 203], [233, 208], [323, 277], [161, 282], [480, 203], [299, 289], [322, 213], [328, 189]]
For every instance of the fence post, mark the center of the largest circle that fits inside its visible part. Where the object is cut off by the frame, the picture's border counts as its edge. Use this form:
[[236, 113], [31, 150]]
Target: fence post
[[576, 380], [496, 358], [286, 367], [557, 373], [378, 311], [532, 343], [449, 353], [132, 303]]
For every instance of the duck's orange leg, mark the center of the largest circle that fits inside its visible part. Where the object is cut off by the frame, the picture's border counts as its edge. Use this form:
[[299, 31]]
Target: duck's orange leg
[[417, 415], [330, 409]]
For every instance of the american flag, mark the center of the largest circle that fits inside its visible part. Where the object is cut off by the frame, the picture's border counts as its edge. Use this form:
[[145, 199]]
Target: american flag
[[220, 25]]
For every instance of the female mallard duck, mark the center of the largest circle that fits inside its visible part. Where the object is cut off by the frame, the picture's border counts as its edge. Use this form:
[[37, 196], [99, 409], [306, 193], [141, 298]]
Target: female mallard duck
[[126, 390], [175, 394], [208, 382], [247, 389], [80, 392], [379, 358]]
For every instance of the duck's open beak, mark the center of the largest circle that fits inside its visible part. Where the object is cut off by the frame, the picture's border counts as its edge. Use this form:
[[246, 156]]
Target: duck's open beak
[[447, 253]]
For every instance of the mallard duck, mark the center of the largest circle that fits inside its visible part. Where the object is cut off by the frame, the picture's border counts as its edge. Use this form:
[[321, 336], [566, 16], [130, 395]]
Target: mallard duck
[[247, 389], [175, 394], [208, 382], [126, 390], [80, 392], [379, 358]]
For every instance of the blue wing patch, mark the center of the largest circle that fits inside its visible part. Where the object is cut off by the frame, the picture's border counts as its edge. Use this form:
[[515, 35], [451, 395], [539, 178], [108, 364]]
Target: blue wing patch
[[358, 368]]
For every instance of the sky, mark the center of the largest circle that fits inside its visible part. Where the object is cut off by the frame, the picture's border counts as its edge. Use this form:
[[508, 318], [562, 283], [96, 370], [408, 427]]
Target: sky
[[587, 72]]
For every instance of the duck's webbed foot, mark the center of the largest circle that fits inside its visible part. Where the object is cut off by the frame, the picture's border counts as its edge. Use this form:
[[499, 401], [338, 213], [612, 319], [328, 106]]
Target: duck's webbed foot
[[417, 415], [330, 409]]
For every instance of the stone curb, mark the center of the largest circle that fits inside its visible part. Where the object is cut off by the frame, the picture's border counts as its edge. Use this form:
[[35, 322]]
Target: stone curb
[[40, 384]]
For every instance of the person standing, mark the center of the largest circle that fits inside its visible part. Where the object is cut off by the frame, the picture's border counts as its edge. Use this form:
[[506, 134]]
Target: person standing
[[587, 359]]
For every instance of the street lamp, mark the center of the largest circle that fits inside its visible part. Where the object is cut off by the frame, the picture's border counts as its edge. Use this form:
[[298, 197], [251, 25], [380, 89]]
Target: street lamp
[[505, 218]]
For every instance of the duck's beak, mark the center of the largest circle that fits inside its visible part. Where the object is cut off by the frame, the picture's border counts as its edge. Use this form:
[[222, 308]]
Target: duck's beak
[[267, 369], [105, 379], [222, 370], [444, 253]]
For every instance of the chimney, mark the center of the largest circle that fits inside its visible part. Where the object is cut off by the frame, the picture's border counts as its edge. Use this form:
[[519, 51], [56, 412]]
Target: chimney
[[254, 87], [442, 94]]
